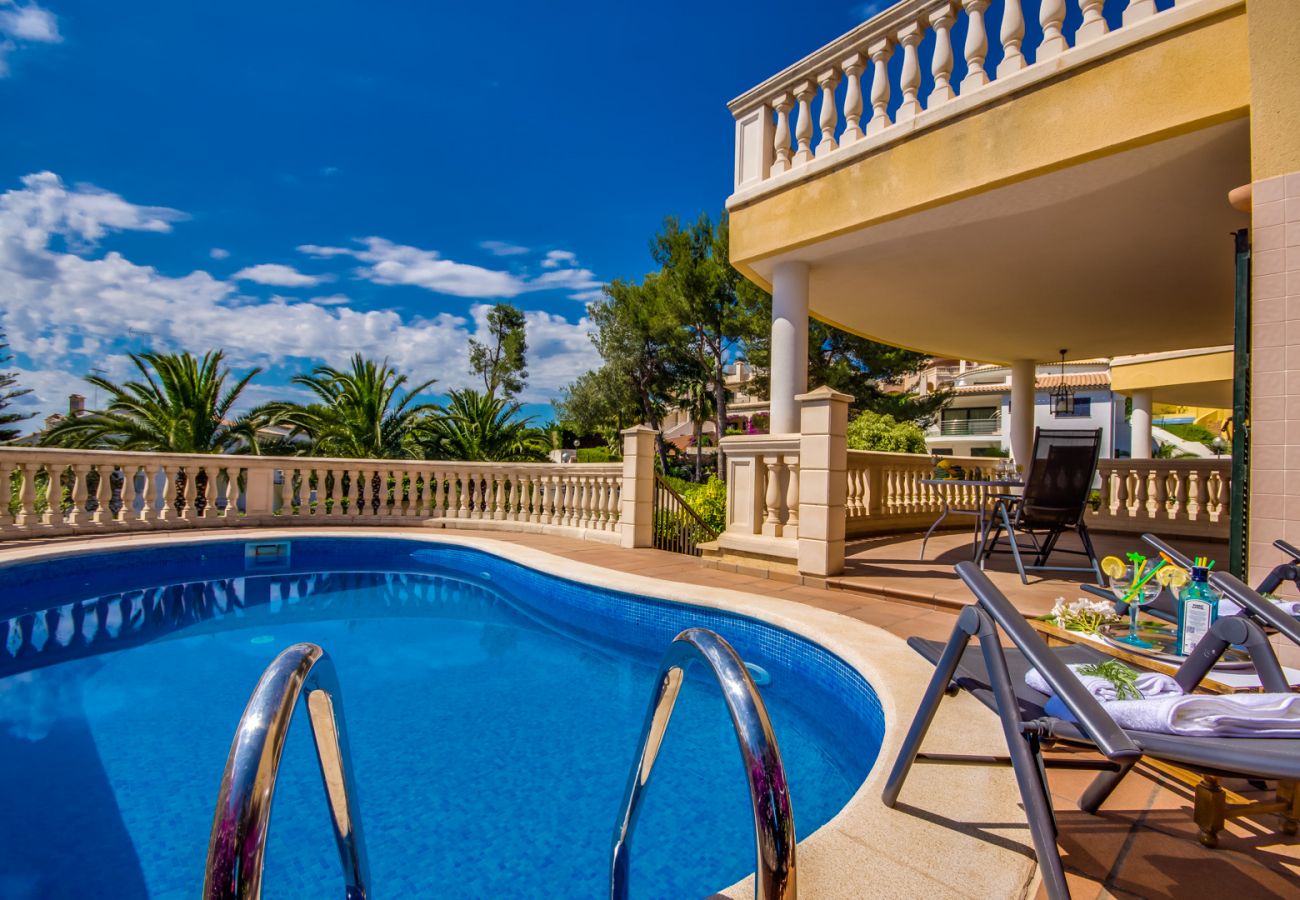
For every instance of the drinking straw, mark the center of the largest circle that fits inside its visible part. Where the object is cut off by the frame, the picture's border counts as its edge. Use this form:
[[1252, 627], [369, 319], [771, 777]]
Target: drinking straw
[[1210, 566], [1137, 585], [1167, 558]]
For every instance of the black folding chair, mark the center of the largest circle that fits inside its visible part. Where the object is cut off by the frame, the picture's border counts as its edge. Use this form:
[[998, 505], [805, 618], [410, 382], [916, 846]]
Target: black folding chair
[[996, 676], [1058, 484]]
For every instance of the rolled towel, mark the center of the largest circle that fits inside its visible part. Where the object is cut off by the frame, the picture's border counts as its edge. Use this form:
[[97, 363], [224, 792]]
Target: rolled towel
[[1149, 684], [1229, 608], [1212, 715]]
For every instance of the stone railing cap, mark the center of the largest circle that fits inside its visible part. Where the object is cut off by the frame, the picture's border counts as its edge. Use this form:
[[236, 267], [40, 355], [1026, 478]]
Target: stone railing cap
[[638, 429], [824, 392]]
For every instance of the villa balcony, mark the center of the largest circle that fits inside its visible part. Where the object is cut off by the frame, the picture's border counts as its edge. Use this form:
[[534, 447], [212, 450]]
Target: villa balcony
[[967, 428], [951, 156]]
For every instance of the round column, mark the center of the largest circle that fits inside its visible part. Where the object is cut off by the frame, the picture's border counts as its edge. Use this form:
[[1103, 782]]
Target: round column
[[1141, 425], [789, 371], [1023, 375]]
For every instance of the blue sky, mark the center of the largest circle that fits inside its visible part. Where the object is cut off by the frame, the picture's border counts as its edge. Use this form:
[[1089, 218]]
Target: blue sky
[[295, 181]]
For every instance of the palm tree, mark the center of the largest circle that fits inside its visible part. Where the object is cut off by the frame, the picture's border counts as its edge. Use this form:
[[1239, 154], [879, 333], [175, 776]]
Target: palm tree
[[698, 403], [363, 412], [182, 405], [478, 426]]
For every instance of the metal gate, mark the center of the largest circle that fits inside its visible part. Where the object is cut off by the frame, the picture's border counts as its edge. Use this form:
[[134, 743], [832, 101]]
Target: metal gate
[[1239, 512], [677, 527]]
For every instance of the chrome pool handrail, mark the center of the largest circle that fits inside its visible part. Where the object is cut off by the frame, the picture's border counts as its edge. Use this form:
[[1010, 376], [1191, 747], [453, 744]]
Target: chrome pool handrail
[[240, 824], [774, 838]]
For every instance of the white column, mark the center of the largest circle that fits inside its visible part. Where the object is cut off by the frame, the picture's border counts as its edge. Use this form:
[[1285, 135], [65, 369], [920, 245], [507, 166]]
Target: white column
[[1141, 425], [789, 374], [1023, 373]]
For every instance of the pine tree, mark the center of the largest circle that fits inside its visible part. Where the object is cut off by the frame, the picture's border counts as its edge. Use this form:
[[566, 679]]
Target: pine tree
[[9, 392]]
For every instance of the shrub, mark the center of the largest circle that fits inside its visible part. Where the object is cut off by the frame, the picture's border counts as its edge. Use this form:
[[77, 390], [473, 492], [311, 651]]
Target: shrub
[[597, 455], [709, 500], [873, 431]]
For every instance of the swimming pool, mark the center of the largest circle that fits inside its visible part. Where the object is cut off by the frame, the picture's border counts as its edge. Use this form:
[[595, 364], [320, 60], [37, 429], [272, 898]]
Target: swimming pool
[[493, 712]]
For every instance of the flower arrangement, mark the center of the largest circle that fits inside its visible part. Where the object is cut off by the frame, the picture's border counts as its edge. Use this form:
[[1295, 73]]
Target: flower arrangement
[[944, 468], [1086, 616]]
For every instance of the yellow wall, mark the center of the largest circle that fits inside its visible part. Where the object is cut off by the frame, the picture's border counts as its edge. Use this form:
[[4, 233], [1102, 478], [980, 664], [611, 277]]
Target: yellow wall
[[1199, 369], [1177, 83], [1274, 38]]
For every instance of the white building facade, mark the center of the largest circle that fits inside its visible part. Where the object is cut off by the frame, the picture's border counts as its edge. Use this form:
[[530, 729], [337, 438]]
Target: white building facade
[[976, 422]]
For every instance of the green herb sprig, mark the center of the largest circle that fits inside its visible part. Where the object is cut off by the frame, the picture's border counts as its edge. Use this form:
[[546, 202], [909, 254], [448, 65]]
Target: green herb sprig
[[1121, 676]]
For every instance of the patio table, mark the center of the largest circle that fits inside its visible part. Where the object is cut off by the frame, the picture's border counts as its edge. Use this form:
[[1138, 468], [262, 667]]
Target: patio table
[[979, 510]]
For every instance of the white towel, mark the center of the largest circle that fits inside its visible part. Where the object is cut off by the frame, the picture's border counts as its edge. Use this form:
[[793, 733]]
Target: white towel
[[1212, 715], [1149, 684], [1229, 608]]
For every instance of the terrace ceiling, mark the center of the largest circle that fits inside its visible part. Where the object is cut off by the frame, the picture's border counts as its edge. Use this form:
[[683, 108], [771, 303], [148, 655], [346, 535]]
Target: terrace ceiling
[[1129, 253]]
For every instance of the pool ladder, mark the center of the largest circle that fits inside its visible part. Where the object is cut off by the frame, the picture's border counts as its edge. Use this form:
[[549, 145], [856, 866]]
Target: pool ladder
[[239, 827]]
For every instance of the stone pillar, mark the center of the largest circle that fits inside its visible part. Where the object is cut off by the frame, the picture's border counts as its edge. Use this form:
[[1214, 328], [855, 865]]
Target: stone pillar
[[1024, 373], [823, 481], [1140, 425], [789, 369], [259, 492], [636, 518]]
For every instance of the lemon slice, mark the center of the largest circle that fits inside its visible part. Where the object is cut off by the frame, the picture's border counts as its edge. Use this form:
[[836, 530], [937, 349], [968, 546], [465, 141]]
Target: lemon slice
[[1114, 566], [1173, 577]]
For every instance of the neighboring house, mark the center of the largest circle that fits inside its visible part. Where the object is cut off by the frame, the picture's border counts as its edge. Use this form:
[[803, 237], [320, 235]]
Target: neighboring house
[[973, 423], [741, 380]]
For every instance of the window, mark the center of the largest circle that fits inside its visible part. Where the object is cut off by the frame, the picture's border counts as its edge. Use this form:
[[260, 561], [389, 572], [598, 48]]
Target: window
[[1082, 408]]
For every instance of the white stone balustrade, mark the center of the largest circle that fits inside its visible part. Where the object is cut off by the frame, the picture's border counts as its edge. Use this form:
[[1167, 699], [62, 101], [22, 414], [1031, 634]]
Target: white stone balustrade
[[103, 492], [884, 490], [766, 148], [1166, 496]]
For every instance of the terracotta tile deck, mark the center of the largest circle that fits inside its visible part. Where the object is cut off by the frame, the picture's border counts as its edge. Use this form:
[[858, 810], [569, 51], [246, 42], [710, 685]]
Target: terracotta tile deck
[[1143, 844]]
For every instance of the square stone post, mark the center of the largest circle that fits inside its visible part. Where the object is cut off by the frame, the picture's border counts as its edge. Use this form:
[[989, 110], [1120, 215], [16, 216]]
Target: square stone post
[[636, 518], [823, 480], [259, 491]]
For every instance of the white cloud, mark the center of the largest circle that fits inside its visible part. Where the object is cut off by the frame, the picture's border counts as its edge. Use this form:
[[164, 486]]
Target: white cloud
[[219, 253], [502, 248], [66, 308], [279, 276], [332, 300], [399, 264], [26, 23], [557, 258]]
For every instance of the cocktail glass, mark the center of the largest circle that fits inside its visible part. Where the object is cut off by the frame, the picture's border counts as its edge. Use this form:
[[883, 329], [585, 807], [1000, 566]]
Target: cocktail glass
[[1122, 588]]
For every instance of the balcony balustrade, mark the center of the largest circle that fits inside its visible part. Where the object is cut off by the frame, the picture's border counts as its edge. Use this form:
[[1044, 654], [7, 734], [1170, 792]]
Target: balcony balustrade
[[779, 139], [970, 427]]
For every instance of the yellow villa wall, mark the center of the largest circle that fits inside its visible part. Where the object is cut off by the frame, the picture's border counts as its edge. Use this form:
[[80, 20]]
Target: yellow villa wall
[[1206, 367], [1180, 82], [1274, 40]]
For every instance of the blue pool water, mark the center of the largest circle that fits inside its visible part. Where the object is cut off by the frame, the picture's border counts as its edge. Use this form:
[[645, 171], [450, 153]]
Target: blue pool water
[[493, 713]]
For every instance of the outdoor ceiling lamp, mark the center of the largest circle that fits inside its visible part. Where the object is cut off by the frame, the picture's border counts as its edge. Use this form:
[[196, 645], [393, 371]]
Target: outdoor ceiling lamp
[[1062, 396]]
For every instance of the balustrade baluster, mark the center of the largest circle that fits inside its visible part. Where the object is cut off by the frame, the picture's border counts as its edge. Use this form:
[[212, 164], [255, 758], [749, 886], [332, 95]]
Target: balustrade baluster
[[26, 516], [941, 18], [359, 493], [977, 45], [77, 512], [7, 493], [53, 514], [1155, 494], [126, 513], [879, 53], [1139, 503], [828, 80], [103, 495], [792, 493], [853, 67], [803, 129], [166, 483], [781, 140], [1051, 17], [1137, 10], [1094, 23], [909, 36], [1013, 32], [232, 495]]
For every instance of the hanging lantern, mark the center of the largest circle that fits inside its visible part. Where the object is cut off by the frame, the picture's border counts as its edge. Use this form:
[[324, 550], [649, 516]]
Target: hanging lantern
[[1061, 395]]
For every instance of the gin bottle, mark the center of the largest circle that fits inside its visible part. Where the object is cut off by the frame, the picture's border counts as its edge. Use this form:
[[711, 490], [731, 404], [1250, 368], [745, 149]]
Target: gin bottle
[[1198, 607]]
